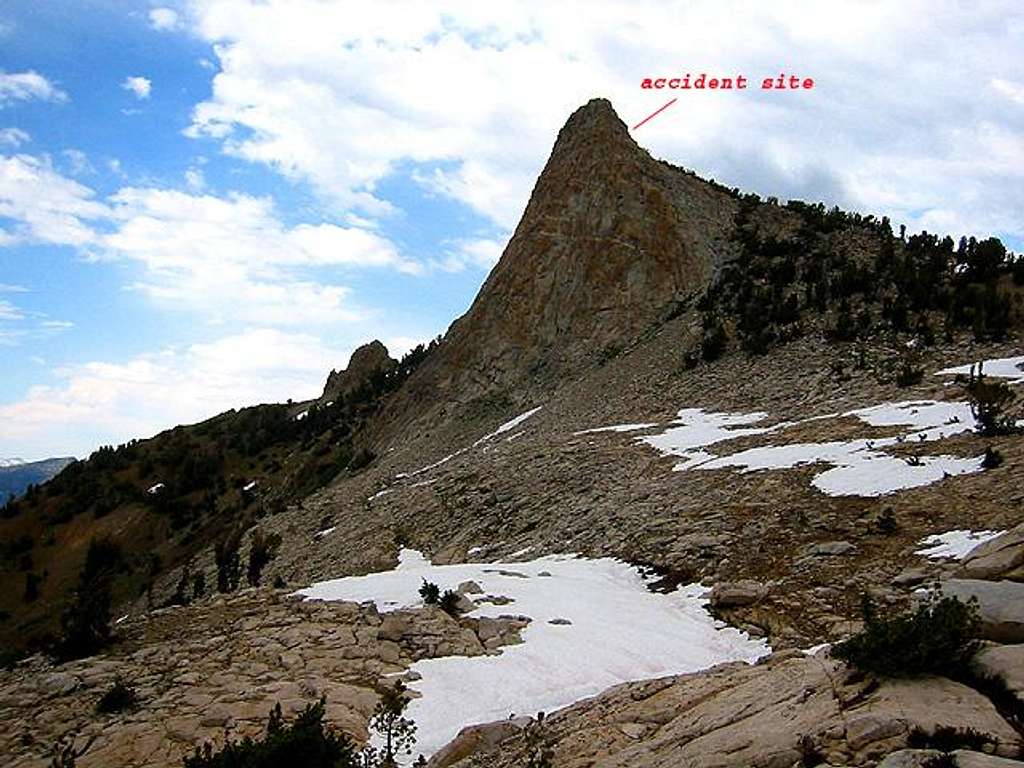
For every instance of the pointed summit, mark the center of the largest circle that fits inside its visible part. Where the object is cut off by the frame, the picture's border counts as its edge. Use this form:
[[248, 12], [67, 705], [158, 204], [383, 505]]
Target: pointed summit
[[610, 241]]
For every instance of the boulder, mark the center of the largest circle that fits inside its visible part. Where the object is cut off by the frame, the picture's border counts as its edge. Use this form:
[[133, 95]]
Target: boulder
[[731, 594], [470, 588], [998, 558], [832, 549], [476, 738], [909, 758], [1005, 662], [966, 759], [1000, 606]]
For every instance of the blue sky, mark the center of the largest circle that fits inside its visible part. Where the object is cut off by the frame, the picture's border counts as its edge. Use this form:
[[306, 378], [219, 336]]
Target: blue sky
[[210, 203]]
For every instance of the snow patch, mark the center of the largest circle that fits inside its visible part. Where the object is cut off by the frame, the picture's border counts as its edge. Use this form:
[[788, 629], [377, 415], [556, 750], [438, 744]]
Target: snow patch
[[508, 426], [954, 545], [380, 493], [155, 489], [325, 532], [620, 631], [1001, 367], [859, 467], [616, 428], [249, 486], [301, 416]]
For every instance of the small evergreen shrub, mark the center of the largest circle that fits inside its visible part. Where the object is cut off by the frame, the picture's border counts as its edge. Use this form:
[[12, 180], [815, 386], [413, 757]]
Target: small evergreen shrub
[[949, 739], [540, 745], [992, 458], [305, 742], [449, 602], [886, 523], [908, 374], [945, 760], [990, 405], [939, 636], [430, 592], [117, 698], [85, 621], [229, 565], [308, 743], [262, 549]]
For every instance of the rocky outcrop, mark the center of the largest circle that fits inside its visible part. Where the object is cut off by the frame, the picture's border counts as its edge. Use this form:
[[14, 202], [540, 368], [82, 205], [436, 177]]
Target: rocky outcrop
[[367, 361], [218, 667], [1000, 606], [772, 715], [610, 243], [1004, 662], [998, 558], [731, 594]]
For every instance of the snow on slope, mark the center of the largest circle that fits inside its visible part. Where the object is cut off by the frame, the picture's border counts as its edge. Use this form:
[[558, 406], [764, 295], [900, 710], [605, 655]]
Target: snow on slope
[[619, 631], [11, 462], [955, 545], [859, 467], [1002, 368]]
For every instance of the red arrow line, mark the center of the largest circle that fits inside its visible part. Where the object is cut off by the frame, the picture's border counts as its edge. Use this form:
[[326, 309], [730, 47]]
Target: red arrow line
[[656, 112]]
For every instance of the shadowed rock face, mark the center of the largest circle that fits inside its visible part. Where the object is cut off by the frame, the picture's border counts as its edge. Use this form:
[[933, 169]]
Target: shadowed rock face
[[611, 240], [365, 361]]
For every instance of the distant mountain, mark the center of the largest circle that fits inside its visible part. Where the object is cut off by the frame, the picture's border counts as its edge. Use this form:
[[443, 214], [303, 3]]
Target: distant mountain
[[17, 475]]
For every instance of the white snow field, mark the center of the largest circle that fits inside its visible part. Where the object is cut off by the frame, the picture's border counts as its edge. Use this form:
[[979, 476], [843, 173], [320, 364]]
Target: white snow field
[[619, 631], [954, 545]]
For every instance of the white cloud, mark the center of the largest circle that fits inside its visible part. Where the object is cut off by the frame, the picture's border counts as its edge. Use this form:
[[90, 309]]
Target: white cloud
[[13, 137], [140, 86], [25, 86], [9, 312], [481, 253], [102, 402], [164, 19], [78, 162], [46, 206], [471, 95], [1013, 91], [226, 259], [232, 259], [195, 180]]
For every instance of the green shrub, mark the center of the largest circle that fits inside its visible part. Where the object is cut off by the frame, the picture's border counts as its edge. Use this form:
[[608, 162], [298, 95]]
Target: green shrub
[[990, 404], [85, 621], [305, 742], [449, 602], [938, 637], [308, 743], [263, 548], [430, 593], [117, 698], [992, 458], [946, 738], [229, 565], [908, 374], [886, 523]]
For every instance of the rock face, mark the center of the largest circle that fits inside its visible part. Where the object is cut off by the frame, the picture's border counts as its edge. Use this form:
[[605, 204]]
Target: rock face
[[365, 362], [1000, 606], [611, 240], [1005, 662], [999, 558], [771, 715], [731, 594], [218, 667]]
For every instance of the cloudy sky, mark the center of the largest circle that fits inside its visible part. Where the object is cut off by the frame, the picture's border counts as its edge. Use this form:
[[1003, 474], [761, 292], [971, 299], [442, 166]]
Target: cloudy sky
[[209, 203]]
